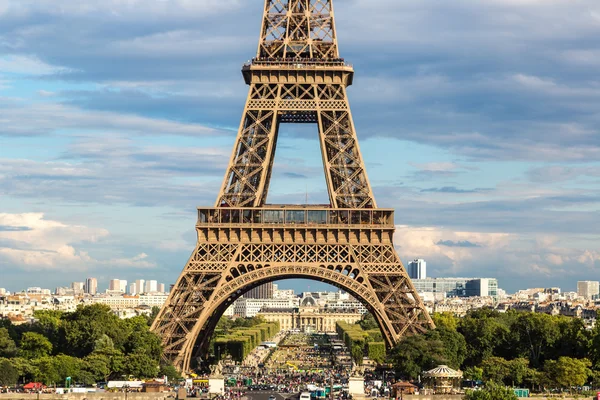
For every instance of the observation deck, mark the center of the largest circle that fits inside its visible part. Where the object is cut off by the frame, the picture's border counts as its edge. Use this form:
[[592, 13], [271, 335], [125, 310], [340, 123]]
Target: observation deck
[[263, 69], [295, 216]]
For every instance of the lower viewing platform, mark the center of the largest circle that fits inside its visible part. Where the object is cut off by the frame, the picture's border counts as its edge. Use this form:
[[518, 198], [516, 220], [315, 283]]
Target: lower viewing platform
[[296, 216]]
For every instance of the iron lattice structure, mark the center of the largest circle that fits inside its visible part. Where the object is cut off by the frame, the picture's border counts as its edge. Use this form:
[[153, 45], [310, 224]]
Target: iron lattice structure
[[297, 76]]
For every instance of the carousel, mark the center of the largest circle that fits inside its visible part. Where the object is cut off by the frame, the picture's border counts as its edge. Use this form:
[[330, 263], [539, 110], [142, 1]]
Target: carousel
[[443, 379]]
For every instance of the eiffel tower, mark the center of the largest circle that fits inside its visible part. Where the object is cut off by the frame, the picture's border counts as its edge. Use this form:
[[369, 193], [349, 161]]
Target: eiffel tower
[[297, 76]]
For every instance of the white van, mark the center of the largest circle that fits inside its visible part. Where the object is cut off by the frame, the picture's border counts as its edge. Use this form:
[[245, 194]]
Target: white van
[[304, 396]]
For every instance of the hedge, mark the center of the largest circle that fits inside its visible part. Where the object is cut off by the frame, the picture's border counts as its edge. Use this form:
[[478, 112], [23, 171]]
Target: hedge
[[376, 351], [241, 341], [371, 341]]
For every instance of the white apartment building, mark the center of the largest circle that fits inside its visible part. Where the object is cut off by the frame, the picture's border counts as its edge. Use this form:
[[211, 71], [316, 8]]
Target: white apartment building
[[91, 286], [114, 285], [153, 299], [588, 289], [347, 305], [140, 286], [283, 293], [117, 302], [250, 307], [229, 312], [151, 287]]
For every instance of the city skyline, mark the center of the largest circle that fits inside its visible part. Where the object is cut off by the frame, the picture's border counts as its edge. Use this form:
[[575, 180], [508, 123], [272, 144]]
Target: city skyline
[[485, 144]]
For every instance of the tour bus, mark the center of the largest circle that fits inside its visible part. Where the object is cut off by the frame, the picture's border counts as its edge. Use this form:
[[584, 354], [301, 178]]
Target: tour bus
[[304, 396]]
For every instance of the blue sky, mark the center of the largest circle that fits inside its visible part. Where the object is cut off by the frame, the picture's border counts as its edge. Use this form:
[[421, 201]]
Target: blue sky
[[478, 122]]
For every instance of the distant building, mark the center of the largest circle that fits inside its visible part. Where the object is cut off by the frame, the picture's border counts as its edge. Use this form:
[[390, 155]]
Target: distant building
[[481, 287], [588, 289], [114, 285], [123, 286], [132, 289], [140, 286], [91, 286], [151, 287], [161, 288], [458, 287], [244, 307], [77, 287], [309, 319], [153, 299], [264, 291], [2, 291], [417, 269]]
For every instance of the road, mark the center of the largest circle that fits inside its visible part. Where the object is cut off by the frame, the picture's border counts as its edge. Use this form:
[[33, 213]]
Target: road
[[264, 395]]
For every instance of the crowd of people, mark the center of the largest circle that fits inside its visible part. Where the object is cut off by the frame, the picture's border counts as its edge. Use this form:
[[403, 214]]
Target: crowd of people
[[299, 362]]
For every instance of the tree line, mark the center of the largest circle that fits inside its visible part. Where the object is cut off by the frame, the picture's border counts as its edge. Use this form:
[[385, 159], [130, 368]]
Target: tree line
[[89, 345], [538, 351]]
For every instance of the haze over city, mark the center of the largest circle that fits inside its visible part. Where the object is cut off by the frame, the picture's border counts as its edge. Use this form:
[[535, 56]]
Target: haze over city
[[477, 122]]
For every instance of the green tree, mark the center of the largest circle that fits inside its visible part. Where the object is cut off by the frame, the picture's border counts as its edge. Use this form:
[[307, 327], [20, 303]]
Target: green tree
[[508, 372], [567, 372], [141, 365], [170, 372], [483, 331], [88, 324], [496, 369], [446, 320], [153, 315], [141, 340], [357, 354], [49, 324], [574, 339], [26, 369], [104, 343], [414, 354], [98, 366], [454, 344], [594, 344], [492, 391], [368, 322], [533, 335], [9, 375], [8, 348], [473, 373], [55, 369], [34, 345]]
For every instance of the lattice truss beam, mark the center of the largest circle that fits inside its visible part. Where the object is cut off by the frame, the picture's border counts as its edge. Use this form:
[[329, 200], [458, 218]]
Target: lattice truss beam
[[298, 29], [372, 273], [269, 104]]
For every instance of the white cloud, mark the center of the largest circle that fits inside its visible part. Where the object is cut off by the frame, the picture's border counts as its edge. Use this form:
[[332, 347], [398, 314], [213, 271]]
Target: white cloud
[[27, 65], [139, 261], [47, 118], [503, 255], [31, 242]]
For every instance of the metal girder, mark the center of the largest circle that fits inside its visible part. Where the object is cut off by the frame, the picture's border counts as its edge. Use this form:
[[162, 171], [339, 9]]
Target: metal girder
[[297, 77]]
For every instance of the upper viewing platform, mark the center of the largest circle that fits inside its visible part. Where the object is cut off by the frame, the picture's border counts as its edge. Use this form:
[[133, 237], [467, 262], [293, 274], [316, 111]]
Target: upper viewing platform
[[296, 216]]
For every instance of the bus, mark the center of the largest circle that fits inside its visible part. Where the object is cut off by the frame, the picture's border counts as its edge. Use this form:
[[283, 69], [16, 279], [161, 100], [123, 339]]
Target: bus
[[304, 396]]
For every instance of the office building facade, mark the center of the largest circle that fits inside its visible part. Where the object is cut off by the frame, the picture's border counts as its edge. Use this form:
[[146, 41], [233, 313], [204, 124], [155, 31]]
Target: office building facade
[[588, 289], [264, 291], [417, 269]]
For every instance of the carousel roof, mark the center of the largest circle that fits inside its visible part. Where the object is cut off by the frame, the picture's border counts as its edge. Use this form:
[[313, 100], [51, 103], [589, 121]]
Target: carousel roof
[[443, 371]]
